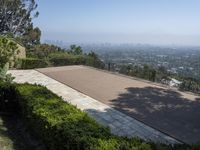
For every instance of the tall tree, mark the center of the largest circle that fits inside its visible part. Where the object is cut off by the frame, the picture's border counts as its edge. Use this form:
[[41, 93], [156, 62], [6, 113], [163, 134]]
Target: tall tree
[[31, 37], [16, 16], [75, 50]]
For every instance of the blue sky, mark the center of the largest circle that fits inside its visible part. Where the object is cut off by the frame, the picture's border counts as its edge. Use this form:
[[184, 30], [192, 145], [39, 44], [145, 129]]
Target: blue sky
[[120, 21]]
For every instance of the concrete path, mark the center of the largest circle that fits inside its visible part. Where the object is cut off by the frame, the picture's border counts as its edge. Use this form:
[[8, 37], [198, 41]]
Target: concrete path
[[119, 123]]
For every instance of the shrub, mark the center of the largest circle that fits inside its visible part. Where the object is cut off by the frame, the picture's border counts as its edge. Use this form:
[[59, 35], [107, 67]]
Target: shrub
[[63, 126], [79, 60], [8, 101], [62, 59], [90, 61], [31, 63], [8, 50], [58, 124]]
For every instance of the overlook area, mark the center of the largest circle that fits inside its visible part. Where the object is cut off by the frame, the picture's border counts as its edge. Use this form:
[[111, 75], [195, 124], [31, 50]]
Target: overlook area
[[99, 75], [167, 110]]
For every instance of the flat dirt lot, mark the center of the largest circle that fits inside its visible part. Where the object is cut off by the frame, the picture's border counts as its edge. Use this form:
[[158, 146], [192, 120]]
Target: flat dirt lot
[[170, 111]]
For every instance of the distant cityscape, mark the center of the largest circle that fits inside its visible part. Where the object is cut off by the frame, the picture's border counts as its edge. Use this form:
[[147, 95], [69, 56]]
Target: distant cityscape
[[180, 60]]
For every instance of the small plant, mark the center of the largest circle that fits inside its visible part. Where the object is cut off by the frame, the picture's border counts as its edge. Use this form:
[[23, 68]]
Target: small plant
[[8, 50], [4, 76]]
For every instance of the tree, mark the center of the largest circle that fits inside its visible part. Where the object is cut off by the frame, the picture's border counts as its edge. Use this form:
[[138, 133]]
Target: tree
[[43, 50], [96, 62], [16, 16], [31, 37], [75, 50], [93, 55]]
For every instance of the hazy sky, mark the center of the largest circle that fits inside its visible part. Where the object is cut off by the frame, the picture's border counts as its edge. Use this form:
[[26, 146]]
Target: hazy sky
[[120, 21]]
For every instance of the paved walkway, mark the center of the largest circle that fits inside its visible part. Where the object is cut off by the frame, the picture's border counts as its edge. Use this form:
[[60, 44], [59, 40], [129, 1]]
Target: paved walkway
[[119, 123]]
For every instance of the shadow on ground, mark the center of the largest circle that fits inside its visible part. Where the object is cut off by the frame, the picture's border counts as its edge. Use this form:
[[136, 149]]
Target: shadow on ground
[[14, 135], [163, 109]]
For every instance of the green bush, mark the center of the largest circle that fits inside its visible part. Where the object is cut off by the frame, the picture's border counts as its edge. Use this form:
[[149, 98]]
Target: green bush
[[59, 59], [58, 124], [67, 59], [63, 126], [79, 60], [62, 59], [31, 63], [90, 61], [8, 101]]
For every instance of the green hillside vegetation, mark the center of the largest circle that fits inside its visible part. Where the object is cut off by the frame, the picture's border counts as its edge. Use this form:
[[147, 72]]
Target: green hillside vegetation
[[45, 55], [150, 73]]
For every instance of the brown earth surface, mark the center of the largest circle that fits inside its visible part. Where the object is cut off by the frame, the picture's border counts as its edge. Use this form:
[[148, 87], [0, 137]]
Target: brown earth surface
[[168, 110]]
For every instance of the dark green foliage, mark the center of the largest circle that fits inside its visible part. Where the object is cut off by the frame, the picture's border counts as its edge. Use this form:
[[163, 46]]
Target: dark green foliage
[[56, 56], [190, 84], [62, 59], [58, 124], [145, 72], [95, 63], [93, 60], [159, 74], [42, 51], [31, 63], [8, 101], [31, 37], [196, 146], [4, 76], [16, 16], [59, 59], [75, 50], [8, 49]]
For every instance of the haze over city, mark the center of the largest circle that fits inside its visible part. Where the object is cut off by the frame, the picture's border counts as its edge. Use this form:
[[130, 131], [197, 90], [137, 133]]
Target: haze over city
[[132, 21]]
